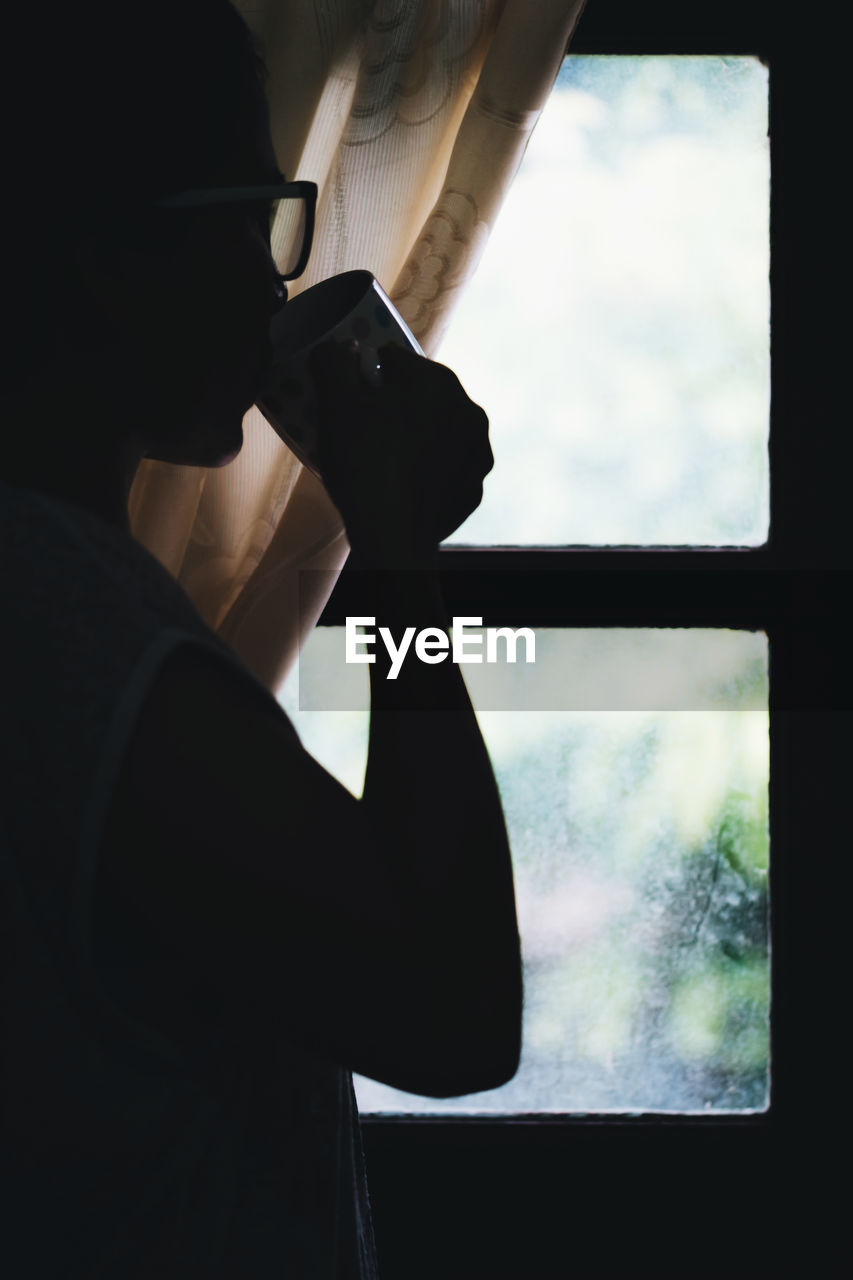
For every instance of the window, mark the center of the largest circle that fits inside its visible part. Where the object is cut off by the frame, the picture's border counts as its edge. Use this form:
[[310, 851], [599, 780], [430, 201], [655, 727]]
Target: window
[[598, 1191], [633, 766], [626, 283], [624, 364]]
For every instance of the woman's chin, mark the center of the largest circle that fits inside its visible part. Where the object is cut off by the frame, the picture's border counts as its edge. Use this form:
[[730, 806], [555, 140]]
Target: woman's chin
[[227, 445], [226, 457], [211, 446]]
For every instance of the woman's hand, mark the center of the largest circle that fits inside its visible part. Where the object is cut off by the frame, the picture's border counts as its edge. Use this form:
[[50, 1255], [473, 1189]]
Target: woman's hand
[[404, 461]]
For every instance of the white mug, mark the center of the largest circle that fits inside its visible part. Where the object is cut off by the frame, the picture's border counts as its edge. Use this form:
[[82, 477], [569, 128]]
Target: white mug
[[347, 307]]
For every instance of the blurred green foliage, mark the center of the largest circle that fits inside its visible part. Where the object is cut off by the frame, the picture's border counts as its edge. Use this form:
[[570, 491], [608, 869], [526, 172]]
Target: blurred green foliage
[[640, 845]]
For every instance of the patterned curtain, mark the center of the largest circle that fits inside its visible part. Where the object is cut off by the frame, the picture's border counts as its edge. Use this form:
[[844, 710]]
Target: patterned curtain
[[412, 116]]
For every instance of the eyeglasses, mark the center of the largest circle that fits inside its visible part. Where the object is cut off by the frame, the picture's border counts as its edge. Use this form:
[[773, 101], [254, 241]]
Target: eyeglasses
[[291, 208]]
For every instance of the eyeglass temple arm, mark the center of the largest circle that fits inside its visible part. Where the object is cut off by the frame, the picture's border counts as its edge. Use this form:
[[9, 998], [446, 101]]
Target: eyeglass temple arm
[[199, 196]]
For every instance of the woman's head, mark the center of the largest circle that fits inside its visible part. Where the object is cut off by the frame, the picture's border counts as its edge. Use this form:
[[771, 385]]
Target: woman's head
[[105, 109]]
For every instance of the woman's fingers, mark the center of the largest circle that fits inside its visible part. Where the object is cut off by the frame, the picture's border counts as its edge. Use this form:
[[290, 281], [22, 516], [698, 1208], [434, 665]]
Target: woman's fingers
[[334, 369], [414, 448]]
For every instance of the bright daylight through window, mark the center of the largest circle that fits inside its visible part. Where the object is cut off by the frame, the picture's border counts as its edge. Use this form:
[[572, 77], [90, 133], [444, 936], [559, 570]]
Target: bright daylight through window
[[617, 332], [637, 816], [617, 329]]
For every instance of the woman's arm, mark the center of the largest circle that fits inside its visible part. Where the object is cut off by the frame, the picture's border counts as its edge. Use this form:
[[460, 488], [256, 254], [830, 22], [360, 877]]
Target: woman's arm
[[383, 931]]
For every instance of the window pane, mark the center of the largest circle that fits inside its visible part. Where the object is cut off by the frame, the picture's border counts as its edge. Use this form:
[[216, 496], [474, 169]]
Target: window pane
[[640, 845], [617, 328]]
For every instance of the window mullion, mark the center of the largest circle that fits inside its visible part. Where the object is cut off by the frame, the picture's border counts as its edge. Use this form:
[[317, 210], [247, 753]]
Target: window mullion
[[588, 587]]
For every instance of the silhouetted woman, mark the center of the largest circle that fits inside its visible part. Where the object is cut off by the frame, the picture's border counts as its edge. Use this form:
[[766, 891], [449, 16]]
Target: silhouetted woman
[[203, 933]]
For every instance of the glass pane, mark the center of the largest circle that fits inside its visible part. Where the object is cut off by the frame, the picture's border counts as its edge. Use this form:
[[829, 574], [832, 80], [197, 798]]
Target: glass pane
[[617, 327], [640, 845]]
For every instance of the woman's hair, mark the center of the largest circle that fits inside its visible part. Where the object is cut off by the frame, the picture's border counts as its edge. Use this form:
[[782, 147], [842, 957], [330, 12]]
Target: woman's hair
[[104, 107]]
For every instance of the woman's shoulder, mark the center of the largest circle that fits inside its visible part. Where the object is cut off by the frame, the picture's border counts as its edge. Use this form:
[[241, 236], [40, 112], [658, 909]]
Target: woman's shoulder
[[72, 581], [89, 616], [56, 552]]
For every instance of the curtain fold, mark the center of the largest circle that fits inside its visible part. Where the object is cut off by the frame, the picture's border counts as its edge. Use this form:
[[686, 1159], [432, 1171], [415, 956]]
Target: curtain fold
[[412, 116]]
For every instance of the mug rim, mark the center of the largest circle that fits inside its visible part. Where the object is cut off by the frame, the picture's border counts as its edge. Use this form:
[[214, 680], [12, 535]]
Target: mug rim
[[289, 325]]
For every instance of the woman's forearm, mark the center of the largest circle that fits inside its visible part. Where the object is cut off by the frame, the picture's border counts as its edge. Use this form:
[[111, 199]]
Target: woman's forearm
[[431, 797]]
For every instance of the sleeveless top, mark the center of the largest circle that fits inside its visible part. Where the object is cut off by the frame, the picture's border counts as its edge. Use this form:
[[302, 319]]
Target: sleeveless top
[[124, 1155]]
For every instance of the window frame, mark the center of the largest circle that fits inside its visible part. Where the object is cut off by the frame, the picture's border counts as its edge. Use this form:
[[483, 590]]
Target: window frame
[[462, 1175]]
